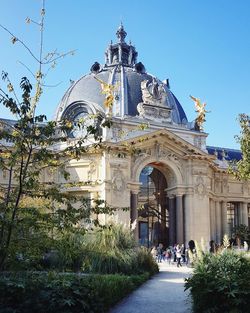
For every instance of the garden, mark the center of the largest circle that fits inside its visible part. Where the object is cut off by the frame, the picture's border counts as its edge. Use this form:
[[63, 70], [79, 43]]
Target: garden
[[220, 281], [82, 273]]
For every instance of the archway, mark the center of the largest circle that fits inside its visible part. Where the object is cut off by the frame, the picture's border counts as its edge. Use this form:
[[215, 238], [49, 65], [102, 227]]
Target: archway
[[153, 211]]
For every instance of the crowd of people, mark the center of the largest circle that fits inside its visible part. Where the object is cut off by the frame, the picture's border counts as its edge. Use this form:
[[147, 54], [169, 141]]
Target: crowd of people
[[181, 255], [177, 254]]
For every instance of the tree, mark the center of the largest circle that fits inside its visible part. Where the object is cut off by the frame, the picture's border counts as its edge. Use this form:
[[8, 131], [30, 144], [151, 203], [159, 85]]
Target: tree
[[241, 169], [29, 146]]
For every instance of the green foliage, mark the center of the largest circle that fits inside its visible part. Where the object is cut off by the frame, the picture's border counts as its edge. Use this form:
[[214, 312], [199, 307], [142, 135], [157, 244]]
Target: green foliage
[[220, 283], [67, 293], [241, 169], [241, 233], [113, 250], [70, 251], [32, 207]]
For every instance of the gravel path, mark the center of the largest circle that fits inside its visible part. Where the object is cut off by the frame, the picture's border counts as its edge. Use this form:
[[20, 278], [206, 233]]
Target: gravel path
[[162, 293]]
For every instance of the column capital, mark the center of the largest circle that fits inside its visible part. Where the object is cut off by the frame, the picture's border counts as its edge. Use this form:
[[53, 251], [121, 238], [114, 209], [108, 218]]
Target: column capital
[[134, 187], [171, 196]]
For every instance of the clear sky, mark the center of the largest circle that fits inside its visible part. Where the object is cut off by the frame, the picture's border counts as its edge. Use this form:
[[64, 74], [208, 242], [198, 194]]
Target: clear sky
[[203, 47]]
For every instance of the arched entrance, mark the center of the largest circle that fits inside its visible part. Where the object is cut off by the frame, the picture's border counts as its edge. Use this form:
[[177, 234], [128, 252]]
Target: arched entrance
[[153, 212]]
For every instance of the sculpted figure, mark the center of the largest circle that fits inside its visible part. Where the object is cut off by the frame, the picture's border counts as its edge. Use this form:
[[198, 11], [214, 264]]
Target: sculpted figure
[[200, 109], [153, 92], [108, 90]]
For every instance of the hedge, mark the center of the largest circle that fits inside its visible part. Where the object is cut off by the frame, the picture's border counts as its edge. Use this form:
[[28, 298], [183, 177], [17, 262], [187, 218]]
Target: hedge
[[63, 292]]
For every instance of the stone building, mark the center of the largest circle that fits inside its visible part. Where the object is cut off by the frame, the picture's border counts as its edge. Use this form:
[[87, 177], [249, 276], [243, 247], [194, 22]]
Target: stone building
[[177, 188]]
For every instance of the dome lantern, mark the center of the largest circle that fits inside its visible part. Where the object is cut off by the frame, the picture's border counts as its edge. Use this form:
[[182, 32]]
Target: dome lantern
[[120, 52]]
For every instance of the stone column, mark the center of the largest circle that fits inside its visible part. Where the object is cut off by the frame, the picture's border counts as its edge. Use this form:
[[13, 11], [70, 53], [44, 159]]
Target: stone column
[[179, 219], [218, 221], [188, 218], [134, 213], [245, 214], [134, 190], [172, 221], [212, 220], [225, 230]]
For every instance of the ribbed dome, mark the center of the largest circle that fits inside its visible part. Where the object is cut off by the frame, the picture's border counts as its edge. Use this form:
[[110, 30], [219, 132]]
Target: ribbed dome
[[121, 70]]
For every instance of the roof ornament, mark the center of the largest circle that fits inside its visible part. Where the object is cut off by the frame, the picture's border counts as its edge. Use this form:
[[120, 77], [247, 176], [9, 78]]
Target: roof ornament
[[153, 92], [107, 90], [121, 34], [95, 68], [200, 109]]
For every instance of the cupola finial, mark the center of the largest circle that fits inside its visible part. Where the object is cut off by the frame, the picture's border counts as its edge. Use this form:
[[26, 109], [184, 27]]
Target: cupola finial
[[121, 34]]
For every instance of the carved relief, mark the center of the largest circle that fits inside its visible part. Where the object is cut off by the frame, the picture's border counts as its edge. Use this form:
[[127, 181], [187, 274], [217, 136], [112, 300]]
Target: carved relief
[[163, 153], [152, 112], [225, 186], [118, 133], [245, 187], [197, 142], [200, 187], [144, 153], [153, 92], [91, 170], [118, 180], [199, 171], [217, 185], [171, 178]]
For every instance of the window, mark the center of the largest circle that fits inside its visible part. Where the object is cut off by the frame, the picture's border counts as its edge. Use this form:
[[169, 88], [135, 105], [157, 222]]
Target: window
[[143, 233], [232, 216]]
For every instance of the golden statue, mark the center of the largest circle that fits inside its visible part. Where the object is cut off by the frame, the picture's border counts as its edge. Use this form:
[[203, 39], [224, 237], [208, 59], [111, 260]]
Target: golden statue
[[108, 90], [200, 109]]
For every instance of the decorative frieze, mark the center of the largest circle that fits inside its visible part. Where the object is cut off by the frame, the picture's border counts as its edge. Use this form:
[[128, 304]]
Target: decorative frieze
[[152, 112]]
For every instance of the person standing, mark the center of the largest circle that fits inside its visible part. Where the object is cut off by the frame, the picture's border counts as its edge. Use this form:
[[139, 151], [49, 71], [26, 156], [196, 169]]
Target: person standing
[[178, 255], [168, 255], [159, 252], [183, 254]]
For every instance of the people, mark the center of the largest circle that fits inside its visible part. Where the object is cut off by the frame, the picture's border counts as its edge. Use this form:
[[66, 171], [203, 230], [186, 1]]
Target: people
[[183, 253], [160, 252], [168, 255], [174, 252], [178, 255]]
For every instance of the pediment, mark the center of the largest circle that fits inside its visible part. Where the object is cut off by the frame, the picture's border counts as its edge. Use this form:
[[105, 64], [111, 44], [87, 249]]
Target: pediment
[[166, 142]]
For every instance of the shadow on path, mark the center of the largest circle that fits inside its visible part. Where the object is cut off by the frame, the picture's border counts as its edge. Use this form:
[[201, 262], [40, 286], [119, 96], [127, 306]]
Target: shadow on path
[[162, 293]]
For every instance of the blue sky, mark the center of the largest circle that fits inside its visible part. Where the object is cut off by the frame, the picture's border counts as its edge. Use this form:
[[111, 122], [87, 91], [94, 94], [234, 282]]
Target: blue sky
[[203, 47]]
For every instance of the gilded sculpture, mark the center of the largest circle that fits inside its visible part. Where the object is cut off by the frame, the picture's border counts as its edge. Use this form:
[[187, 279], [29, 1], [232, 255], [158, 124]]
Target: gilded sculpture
[[108, 90], [200, 109]]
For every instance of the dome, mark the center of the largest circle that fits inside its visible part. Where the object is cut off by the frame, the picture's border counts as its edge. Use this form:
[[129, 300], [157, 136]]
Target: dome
[[122, 70]]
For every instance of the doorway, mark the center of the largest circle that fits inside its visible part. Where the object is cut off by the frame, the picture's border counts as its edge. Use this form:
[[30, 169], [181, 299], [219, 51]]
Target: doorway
[[153, 213]]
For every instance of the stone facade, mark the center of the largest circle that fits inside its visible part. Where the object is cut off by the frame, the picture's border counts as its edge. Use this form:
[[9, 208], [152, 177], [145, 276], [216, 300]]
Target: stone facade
[[187, 193], [157, 163]]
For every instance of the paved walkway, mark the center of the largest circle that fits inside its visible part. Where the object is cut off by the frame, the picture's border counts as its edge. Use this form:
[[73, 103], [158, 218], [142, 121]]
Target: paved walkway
[[162, 293]]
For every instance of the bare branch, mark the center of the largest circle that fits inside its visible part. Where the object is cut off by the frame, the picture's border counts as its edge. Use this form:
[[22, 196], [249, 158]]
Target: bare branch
[[22, 43], [27, 69]]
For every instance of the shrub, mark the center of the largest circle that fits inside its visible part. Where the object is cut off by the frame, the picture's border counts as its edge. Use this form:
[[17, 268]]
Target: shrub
[[220, 283], [66, 293], [113, 250]]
